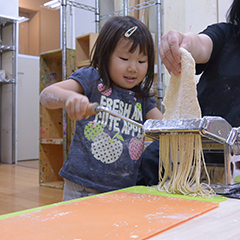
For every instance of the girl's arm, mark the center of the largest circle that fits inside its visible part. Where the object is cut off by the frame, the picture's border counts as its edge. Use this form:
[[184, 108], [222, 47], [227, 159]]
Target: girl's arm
[[67, 94], [199, 45], [154, 114]]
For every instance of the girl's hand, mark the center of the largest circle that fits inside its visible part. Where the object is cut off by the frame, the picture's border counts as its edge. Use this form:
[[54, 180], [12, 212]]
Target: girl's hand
[[76, 106], [68, 94]]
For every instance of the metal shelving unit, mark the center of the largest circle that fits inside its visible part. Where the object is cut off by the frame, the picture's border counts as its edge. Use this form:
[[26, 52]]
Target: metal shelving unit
[[8, 89]]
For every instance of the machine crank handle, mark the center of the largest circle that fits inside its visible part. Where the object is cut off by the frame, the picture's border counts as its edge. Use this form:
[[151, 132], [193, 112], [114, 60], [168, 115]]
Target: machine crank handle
[[95, 108]]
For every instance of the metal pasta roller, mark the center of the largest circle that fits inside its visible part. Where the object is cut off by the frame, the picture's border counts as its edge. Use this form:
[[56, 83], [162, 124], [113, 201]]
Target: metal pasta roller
[[214, 128], [217, 135]]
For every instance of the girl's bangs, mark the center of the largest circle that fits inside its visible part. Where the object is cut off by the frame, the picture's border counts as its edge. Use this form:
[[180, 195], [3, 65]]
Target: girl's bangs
[[139, 41]]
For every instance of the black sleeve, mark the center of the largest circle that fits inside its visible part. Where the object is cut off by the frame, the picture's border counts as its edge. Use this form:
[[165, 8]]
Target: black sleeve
[[148, 172], [220, 33]]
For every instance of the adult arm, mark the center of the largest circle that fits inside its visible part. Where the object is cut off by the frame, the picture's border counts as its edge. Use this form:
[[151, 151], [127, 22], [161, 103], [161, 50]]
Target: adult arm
[[199, 45], [67, 94], [154, 113]]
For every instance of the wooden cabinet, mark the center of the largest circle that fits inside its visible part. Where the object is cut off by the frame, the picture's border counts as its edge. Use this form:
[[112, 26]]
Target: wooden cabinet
[[52, 127], [84, 45]]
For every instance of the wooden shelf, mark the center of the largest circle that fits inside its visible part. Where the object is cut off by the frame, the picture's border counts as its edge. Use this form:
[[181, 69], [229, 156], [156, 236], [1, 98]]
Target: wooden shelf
[[50, 162], [51, 156], [84, 45], [54, 184], [51, 125], [57, 141], [51, 122], [83, 64]]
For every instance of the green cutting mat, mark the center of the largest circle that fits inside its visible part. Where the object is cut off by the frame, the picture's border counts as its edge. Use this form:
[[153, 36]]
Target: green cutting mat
[[154, 191]]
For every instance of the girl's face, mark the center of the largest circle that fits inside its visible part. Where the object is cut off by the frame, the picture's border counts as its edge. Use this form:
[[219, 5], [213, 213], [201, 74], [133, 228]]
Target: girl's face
[[127, 69]]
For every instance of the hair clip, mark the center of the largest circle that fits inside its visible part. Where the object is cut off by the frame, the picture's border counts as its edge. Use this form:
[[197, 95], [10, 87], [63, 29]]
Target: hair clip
[[130, 31]]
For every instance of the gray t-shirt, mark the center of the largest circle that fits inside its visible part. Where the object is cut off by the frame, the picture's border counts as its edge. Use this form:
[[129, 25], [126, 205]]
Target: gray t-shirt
[[105, 152]]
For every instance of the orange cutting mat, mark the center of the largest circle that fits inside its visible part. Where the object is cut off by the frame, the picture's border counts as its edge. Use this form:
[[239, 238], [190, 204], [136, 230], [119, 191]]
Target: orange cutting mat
[[117, 215]]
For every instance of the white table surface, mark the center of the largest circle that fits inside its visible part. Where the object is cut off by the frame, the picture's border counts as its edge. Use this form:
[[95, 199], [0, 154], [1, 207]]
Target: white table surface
[[221, 223]]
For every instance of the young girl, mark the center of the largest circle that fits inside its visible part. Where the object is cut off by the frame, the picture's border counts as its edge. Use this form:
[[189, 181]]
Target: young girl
[[105, 151]]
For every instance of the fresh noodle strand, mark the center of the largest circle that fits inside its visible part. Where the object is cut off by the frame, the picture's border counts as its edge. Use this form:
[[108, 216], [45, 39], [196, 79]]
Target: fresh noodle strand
[[180, 161]]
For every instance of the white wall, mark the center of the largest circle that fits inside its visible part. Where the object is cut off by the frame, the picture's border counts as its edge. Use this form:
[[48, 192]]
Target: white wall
[[84, 20], [9, 8], [223, 5], [80, 22], [195, 15]]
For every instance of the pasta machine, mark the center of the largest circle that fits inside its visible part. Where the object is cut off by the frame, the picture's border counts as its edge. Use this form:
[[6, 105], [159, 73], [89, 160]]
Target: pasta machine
[[217, 134]]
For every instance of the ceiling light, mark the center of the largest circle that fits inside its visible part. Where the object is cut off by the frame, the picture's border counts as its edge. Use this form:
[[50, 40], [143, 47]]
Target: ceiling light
[[56, 5], [22, 19], [49, 3]]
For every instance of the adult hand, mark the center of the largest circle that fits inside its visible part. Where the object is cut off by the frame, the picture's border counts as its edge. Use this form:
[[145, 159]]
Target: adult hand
[[169, 50]]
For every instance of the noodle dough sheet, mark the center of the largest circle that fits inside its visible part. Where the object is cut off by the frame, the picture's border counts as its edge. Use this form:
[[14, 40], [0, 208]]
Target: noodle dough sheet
[[115, 215], [180, 100]]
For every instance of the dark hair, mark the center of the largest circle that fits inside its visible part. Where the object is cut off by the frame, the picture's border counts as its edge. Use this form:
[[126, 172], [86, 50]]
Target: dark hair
[[233, 16], [112, 31]]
